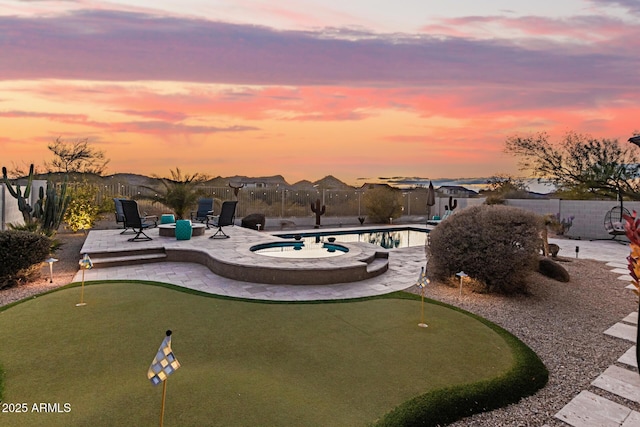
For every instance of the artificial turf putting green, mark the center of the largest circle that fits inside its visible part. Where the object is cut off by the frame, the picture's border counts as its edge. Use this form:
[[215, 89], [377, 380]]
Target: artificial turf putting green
[[243, 363]]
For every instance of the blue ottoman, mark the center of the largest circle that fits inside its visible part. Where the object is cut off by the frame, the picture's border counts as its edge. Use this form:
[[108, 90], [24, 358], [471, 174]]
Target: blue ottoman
[[167, 219], [183, 229]]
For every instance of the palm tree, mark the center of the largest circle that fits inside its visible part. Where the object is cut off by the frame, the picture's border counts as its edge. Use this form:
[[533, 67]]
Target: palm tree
[[179, 193]]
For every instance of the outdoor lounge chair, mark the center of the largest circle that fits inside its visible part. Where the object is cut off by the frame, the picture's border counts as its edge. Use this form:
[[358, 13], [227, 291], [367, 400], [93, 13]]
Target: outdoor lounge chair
[[133, 220], [226, 217], [205, 207], [151, 220], [446, 215], [614, 221]]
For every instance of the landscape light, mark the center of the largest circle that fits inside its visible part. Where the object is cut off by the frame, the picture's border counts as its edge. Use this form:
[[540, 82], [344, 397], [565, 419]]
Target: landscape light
[[462, 275], [51, 260]]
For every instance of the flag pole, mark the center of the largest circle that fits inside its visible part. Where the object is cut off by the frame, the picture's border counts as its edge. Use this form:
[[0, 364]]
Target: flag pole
[[82, 289], [163, 365], [85, 264], [164, 393]]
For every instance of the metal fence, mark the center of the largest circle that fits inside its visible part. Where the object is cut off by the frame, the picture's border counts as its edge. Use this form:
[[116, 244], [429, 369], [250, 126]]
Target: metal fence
[[275, 202]]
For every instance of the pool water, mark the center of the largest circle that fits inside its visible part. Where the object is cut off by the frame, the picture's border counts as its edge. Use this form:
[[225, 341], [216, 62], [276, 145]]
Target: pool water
[[299, 249], [388, 238]]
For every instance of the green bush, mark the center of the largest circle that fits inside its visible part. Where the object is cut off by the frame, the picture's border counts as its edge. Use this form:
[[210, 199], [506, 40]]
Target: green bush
[[21, 253], [382, 203], [82, 211], [497, 245]]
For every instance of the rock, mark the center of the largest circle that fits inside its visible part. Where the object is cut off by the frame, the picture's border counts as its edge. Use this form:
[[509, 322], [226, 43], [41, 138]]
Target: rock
[[553, 270], [252, 221]]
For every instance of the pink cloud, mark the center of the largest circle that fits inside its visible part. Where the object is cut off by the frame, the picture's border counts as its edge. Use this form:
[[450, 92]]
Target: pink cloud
[[102, 45]]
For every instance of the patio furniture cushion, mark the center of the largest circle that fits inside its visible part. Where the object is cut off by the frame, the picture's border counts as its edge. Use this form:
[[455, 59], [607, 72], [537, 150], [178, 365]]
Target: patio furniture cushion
[[183, 229], [167, 219]]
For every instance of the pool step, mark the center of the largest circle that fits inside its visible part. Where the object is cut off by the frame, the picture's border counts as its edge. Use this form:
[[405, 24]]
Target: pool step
[[379, 263], [122, 258]]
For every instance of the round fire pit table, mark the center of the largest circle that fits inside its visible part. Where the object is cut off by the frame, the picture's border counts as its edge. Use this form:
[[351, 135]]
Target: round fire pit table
[[169, 230]]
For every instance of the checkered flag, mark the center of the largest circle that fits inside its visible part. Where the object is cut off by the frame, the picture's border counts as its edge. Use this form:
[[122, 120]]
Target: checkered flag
[[164, 364], [422, 281], [86, 262]]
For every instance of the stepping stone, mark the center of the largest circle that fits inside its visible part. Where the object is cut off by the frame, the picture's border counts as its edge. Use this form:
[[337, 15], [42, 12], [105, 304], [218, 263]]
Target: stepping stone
[[616, 264], [629, 357], [621, 271], [629, 286], [622, 330], [590, 410], [632, 318], [619, 381], [633, 420]]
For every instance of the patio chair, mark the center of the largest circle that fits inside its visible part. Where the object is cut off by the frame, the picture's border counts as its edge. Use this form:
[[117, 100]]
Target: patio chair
[[205, 207], [226, 217], [151, 220], [133, 220], [447, 214]]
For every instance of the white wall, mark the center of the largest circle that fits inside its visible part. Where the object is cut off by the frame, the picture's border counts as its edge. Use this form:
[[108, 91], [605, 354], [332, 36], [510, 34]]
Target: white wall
[[588, 223], [589, 214], [9, 212]]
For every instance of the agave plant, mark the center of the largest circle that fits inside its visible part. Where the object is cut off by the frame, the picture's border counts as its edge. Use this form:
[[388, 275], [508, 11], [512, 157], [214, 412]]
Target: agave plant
[[632, 230], [179, 193]]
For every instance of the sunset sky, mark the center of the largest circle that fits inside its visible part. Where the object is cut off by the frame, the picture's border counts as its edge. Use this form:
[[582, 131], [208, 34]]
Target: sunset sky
[[308, 88]]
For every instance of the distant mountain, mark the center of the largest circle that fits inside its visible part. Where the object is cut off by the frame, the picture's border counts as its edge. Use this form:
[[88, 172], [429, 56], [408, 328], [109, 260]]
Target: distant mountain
[[268, 181], [330, 182], [130, 179], [303, 185]]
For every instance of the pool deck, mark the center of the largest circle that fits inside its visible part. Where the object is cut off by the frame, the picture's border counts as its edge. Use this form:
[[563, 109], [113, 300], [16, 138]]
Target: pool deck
[[403, 268]]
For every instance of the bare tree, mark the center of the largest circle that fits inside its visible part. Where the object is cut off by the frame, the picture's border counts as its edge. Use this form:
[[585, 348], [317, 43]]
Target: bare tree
[[76, 156], [580, 166]]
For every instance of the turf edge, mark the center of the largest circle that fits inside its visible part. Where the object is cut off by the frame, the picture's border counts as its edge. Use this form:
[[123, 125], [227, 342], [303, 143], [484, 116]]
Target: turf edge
[[444, 406], [436, 408]]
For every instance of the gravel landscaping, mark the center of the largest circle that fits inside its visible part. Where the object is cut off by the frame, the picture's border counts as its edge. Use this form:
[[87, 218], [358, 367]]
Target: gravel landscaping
[[562, 322]]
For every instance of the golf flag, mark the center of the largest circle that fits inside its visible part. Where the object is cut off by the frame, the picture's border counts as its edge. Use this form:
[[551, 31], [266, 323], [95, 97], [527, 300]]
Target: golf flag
[[422, 279], [164, 364], [86, 262]]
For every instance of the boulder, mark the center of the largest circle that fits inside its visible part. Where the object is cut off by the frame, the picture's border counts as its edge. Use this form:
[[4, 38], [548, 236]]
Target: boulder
[[252, 221], [553, 270]]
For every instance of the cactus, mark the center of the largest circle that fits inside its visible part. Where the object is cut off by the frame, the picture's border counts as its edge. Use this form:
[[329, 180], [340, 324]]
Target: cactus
[[453, 204], [319, 211], [54, 206], [23, 204], [50, 207]]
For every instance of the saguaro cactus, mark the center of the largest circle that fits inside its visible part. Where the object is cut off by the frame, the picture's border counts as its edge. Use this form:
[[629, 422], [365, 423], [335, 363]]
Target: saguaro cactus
[[319, 211], [452, 204], [23, 199]]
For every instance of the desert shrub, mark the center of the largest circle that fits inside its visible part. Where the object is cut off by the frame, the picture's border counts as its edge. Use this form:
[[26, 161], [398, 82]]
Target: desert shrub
[[497, 245], [495, 199], [382, 203], [21, 253]]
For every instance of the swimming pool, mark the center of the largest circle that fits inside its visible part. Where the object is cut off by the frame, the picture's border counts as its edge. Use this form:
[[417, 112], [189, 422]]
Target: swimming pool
[[388, 238]]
